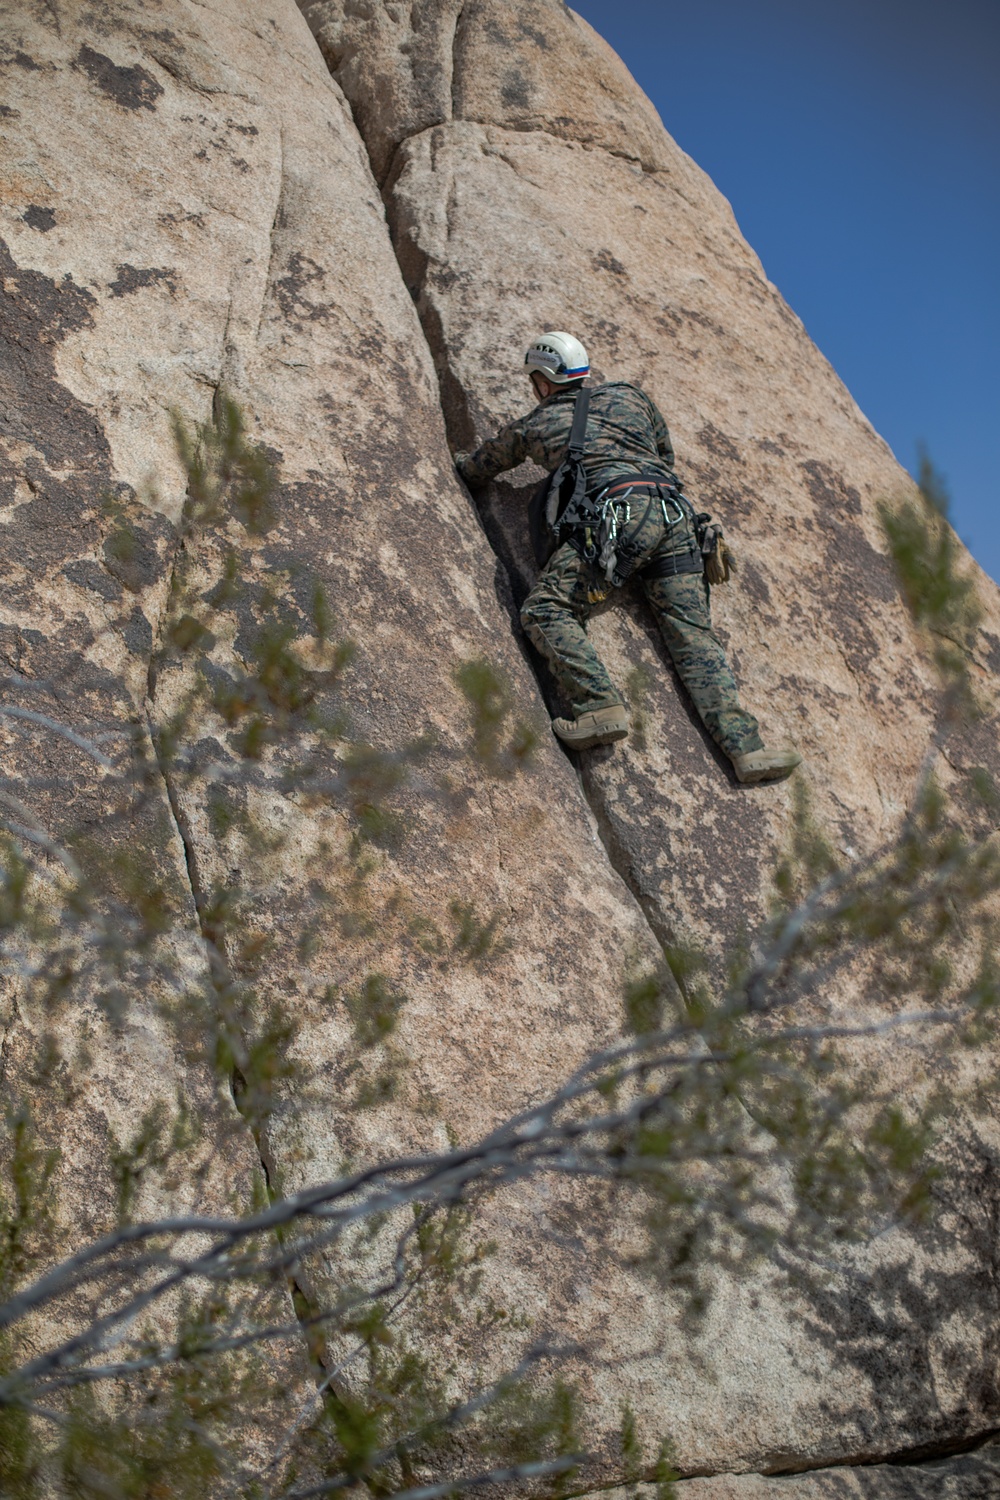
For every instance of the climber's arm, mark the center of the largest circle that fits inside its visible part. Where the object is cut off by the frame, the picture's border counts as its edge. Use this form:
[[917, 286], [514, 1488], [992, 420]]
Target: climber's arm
[[664, 446], [508, 449]]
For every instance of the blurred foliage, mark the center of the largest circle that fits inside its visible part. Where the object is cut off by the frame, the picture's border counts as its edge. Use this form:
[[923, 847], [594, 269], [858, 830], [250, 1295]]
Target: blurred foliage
[[502, 747], [334, 1337], [939, 591], [637, 689]]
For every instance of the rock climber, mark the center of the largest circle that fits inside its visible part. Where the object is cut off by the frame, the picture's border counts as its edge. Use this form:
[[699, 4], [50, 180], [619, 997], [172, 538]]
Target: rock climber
[[627, 516]]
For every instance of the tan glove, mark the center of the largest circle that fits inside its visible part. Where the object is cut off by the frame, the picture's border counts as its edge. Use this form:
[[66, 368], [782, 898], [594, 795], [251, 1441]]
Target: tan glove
[[720, 562]]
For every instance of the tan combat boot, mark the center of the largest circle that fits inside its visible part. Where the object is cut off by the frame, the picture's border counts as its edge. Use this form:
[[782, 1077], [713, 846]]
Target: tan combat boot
[[599, 727], [765, 765]]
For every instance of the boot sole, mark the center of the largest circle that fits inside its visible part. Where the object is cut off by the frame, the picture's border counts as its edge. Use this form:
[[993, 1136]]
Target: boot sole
[[588, 741], [766, 773]]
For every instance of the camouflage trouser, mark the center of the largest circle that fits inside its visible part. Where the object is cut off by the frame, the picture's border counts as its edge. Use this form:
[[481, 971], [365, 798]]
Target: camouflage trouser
[[555, 616]]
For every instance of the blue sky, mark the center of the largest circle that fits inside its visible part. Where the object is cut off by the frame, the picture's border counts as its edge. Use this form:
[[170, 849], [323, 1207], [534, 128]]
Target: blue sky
[[859, 144]]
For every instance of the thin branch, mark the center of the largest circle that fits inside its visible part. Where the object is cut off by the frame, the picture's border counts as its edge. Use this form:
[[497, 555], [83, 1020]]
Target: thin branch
[[89, 748], [36, 835], [457, 1417], [526, 1146], [539, 1469]]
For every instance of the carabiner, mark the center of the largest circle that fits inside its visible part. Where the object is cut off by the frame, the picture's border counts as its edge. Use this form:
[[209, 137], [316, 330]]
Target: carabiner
[[663, 506]]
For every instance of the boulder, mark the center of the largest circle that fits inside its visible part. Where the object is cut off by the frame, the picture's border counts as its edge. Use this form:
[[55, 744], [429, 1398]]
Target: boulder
[[194, 209], [193, 217], [91, 1067], [536, 191]]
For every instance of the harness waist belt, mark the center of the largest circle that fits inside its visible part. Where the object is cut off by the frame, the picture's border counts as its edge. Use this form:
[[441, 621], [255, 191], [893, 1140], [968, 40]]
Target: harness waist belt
[[640, 482], [673, 566]]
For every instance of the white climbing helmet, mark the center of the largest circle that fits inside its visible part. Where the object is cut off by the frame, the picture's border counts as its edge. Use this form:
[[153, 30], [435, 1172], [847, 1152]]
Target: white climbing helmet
[[559, 357]]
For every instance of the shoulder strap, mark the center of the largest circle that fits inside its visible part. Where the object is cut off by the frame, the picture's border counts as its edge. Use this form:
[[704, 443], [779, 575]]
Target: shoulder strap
[[578, 432], [568, 486], [551, 499]]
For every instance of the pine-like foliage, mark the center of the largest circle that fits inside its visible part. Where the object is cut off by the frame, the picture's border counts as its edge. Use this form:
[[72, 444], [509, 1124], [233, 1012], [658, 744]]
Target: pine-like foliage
[[318, 1342]]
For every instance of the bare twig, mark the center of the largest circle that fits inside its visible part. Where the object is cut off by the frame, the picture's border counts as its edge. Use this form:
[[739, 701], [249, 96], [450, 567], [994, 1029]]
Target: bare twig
[[9, 711]]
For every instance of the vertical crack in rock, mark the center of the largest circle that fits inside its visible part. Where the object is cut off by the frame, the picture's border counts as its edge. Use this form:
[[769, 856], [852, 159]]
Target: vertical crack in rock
[[276, 224], [10, 1021], [218, 978], [453, 53], [460, 428], [461, 431], [215, 962]]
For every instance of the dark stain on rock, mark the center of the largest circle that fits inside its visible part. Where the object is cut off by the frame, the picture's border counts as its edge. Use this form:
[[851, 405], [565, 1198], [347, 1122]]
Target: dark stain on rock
[[754, 583], [36, 314], [198, 220], [854, 575], [136, 551], [684, 315], [242, 129], [833, 497], [708, 491], [37, 217], [63, 468], [977, 744], [137, 634], [22, 60], [605, 261], [131, 278], [290, 290], [289, 594], [993, 654], [131, 88], [670, 321], [530, 33], [718, 444], [887, 1325], [87, 574], [515, 91], [524, 29]]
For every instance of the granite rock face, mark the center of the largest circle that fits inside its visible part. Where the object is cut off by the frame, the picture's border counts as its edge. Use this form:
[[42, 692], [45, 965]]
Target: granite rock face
[[192, 211], [503, 207], [406, 68], [534, 189], [191, 206], [79, 614]]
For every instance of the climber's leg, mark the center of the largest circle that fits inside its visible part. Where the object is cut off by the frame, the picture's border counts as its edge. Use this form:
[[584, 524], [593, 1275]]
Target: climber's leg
[[680, 604], [554, 616]]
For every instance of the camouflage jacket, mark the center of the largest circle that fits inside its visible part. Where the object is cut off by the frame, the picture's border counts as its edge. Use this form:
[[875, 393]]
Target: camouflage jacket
[[626, 434]]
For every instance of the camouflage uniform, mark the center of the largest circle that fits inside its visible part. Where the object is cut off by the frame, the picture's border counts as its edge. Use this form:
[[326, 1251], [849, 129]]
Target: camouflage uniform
[[626, 436]]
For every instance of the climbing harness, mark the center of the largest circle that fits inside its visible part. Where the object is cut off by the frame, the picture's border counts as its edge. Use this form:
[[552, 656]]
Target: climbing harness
[[624, 544], [611, 531]]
